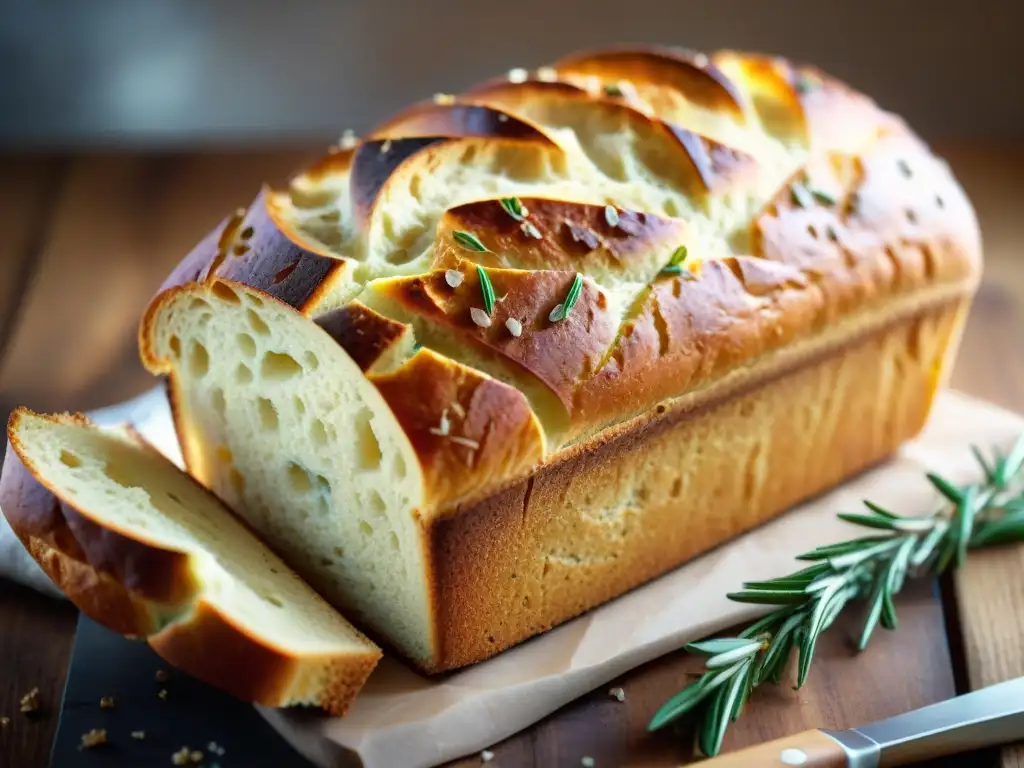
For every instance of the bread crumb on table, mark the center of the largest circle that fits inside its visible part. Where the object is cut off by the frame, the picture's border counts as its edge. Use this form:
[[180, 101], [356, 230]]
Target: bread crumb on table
[[94, 738], [4, 721], [163, 694], [215, 748], [107, 702], [486, 756], [587, 761], [187, 756], [30, 701], [161, 676], [618, 694], [138, 735]]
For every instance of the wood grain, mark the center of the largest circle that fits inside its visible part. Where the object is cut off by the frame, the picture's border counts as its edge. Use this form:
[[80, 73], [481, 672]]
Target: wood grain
[[844, 689], [35, 642], [27, 187], [119, 224], [989, 590]]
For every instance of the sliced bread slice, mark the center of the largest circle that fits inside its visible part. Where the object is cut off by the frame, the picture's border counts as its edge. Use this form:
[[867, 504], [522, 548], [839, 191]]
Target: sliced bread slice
[[142, 548]]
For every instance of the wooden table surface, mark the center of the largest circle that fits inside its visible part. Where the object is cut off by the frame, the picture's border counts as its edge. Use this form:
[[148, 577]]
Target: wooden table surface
[[85, 240]]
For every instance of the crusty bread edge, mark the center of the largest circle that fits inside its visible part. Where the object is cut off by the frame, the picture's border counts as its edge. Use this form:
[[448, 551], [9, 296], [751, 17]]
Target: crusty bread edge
[[200, 640], [468, 573]]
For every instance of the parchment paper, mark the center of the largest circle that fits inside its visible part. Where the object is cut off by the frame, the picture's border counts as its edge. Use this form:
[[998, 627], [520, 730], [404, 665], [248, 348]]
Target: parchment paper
[[404, 720]]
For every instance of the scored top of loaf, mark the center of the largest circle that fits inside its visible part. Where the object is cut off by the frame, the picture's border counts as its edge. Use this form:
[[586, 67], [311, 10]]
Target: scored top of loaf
[[792, 201]]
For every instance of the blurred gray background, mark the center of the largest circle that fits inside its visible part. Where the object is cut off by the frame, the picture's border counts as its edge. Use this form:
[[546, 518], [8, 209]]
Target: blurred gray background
[[146, 73]]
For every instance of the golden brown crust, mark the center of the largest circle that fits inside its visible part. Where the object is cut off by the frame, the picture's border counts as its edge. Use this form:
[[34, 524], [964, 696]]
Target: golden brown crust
[[527, 297], [486, 429], [561, 235], [268, 676], [653, 70], [372, 340], [65, 536], [452, 120], [625, 509]]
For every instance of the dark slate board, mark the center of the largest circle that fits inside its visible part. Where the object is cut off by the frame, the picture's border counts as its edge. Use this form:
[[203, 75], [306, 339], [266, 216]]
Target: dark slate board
[[193, 715]]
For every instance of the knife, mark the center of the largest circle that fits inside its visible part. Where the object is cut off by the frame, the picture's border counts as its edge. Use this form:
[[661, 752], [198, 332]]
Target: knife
[[984, 718]]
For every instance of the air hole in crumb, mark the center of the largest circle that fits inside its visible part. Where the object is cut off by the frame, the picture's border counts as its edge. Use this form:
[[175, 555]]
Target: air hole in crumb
[[247, 344], [198, 360], [218, 402], [223, 292], [312, 361], [257, 324], [255, 300], [283, 275], [399, 467], [394, 541], [277, 366], [298, 478], [365, 528], [268, 415], [273, 600], [812, 231], [414, 187], [236, 480], [69, 459], [911, 216], [939, 201], [326, 562], [339, 551], [323, 484], [197, 304], [677, 487], [318, 432], [175, 345], [246, 233], [300, 406], [368, 452], [243, 374], [377, 504]]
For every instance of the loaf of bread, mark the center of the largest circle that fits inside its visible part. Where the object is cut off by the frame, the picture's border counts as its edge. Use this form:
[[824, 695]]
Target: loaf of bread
[[519, 350], [143, 549]]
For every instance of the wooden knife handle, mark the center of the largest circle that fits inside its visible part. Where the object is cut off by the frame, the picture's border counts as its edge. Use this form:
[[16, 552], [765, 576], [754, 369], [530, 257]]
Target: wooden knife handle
[[810, 749]]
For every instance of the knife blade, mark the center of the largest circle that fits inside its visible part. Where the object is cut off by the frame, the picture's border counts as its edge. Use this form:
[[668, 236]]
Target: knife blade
[[986, 717]]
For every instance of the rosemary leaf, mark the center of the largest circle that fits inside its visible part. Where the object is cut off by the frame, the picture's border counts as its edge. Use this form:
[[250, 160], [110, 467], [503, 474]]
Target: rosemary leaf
[[486, 289], [868, 521], [562, 310], [469, 241], [513, 207], [718, 645], [728, 658], [965, 518], [945, 487], [1011, 465]]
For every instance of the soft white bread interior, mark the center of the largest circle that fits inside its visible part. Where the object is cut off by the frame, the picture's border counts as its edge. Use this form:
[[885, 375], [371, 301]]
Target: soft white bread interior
[[142, 548], [331, 477]]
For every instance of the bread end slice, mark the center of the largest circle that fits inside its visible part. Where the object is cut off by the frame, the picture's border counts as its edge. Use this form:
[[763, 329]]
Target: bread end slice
[[143, 549]]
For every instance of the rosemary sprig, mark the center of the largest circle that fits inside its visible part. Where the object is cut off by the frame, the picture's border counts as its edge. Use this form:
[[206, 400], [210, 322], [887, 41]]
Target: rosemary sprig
[[469, 241], [871, 568]]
